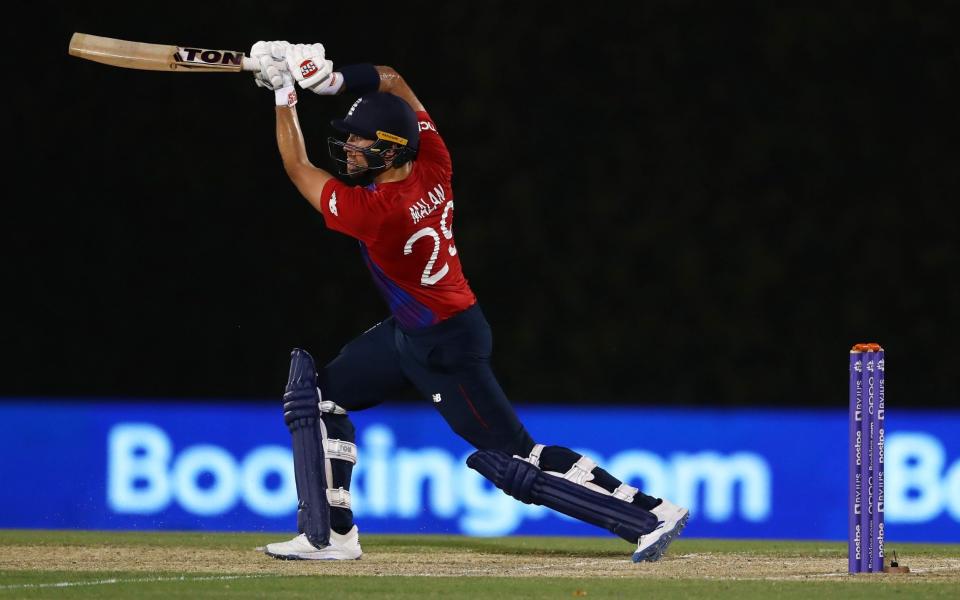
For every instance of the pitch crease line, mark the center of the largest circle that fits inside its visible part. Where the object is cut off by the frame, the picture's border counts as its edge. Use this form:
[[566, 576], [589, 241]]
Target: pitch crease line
[[63, 584]]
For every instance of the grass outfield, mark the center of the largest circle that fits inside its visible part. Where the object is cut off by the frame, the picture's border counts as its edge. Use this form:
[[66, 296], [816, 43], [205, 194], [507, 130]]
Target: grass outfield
[[92, 564]]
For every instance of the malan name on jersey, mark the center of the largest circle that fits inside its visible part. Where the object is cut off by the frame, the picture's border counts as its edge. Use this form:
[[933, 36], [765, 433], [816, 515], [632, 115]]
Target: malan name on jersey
[[423, 208]]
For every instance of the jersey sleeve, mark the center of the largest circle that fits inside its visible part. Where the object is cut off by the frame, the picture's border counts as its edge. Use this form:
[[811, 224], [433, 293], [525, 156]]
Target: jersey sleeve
[[352, 210], [432, 149]]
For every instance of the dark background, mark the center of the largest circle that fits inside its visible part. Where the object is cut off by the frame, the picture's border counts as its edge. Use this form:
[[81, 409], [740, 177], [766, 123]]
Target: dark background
[[663, 203]]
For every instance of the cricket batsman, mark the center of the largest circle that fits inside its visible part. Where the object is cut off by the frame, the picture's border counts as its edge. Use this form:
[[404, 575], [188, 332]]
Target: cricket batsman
[[399, 206]]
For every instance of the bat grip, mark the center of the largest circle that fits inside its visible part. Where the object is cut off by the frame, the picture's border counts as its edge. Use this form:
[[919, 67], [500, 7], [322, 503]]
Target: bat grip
[[250, 64]]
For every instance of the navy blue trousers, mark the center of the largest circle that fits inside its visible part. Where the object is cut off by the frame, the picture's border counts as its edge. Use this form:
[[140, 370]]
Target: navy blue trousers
[[447, 363]]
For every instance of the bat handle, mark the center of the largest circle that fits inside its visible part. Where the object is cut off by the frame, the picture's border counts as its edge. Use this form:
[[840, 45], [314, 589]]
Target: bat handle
[[250, 64]]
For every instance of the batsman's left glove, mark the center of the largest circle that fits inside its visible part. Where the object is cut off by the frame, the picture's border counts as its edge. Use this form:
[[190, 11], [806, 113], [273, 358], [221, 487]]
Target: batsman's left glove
[[273, 73]]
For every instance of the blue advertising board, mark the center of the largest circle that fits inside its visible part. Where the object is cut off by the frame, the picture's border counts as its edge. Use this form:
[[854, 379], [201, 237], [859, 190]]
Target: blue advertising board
[[228, 467]]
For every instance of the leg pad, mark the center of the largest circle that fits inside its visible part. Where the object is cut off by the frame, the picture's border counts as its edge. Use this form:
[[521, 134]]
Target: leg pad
[[530, 485], [301, 412]]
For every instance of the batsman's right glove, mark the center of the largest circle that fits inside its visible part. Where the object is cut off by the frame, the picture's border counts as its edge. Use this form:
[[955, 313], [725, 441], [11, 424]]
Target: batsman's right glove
[[309, 65]]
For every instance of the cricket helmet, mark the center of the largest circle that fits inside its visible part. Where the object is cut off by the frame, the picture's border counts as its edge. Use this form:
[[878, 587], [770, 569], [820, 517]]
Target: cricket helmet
[[384, 118]]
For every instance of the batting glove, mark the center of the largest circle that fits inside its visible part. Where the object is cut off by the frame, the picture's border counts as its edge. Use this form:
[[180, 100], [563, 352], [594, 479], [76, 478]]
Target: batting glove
[[308, 65], [273, 73]]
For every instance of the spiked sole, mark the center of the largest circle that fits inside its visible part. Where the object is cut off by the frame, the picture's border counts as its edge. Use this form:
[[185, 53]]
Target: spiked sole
[[655, 552], [295, 557]]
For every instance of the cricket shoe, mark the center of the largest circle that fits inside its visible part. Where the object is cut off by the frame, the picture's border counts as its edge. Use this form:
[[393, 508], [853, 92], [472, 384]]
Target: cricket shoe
[[672, 519], [342, 547]]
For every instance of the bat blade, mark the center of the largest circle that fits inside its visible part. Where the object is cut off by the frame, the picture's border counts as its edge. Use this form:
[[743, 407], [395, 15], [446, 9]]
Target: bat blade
[[157, 57]]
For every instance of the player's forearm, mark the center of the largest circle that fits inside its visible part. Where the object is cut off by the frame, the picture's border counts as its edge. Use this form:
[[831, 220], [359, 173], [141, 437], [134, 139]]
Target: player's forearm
[[392, 82], [290, 142], [308, 179]]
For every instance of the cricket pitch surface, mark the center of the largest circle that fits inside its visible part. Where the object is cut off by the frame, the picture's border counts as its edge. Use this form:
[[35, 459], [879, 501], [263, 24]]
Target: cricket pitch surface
[[80, 564]]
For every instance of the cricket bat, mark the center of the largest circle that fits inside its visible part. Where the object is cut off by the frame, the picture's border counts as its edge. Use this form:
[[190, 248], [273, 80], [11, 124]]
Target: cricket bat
[[158, 57]]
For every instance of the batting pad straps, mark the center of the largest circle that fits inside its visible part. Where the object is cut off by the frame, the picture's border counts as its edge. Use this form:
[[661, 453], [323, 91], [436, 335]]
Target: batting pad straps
[[327, 406], [528, 484], [534, 457], [625, 492], [341, 450], [581, 471], [340, 456], [339, 498]]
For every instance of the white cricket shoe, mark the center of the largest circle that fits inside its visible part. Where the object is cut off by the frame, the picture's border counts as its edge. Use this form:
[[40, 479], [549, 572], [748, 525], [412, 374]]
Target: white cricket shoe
[[342, 547], [672, 519]]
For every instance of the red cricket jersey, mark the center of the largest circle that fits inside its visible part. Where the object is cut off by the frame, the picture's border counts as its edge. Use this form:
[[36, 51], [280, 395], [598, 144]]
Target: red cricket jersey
[[405, 230]]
